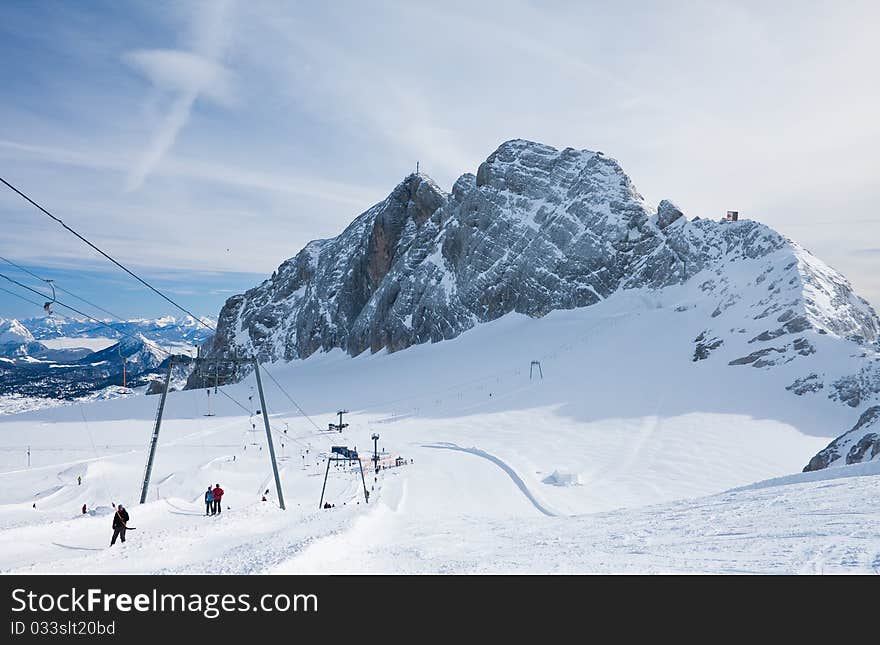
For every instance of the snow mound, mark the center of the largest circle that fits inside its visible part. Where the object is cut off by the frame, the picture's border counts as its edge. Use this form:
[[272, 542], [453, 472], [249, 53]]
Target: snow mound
[[561, 478]]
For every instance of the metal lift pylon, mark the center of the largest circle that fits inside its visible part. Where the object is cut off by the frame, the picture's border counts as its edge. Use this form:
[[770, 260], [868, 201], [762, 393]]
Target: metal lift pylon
[[342, 453], [532, 367], [154, 439]]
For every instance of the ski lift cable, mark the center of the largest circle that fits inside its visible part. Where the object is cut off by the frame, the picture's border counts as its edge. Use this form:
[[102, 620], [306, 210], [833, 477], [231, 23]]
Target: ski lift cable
[[151, 287], [48, 305], [95, 451], [90, 303], [291, 399], [198, 419], [62, 289], [277, 432], [106, 255], [81, 313], [12, 293], [321, 433], [139, 279], [74, 309], [158, 292], [18, 266], [55, 301]]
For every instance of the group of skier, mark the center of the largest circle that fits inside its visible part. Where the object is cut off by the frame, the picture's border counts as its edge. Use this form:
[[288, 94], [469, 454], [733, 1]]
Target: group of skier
[[213, 498]]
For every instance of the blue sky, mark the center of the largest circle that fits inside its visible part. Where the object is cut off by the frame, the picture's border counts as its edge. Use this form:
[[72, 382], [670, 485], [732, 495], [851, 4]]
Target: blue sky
[[204, 143]]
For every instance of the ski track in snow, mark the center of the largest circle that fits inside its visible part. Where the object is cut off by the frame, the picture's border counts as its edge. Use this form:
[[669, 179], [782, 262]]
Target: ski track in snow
[[504, 466]]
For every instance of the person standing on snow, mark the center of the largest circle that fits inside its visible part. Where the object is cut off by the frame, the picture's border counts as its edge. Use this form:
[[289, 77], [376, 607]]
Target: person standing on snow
[[209, 501], [120, 522], [217, 494]]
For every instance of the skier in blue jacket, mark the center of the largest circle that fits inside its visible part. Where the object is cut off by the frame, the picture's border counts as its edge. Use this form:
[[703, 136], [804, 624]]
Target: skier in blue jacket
[[209, 501]]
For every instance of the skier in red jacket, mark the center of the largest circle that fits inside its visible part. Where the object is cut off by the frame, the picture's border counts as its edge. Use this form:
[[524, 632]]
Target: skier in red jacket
[[217, 494]]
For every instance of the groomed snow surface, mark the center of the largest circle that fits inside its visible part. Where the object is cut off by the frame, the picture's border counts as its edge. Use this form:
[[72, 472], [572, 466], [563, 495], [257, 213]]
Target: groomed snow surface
[[626, 457]]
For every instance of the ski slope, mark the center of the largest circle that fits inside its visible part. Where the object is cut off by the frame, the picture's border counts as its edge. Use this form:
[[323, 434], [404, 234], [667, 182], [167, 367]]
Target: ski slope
[[625, 457]]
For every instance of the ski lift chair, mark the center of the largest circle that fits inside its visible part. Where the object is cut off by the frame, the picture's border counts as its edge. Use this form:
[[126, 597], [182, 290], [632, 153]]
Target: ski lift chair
[[47, 306]]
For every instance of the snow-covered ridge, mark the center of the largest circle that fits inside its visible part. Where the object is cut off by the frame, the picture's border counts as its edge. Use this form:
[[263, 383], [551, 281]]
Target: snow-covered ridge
[[57, 326], [536, 230], [12, 331], [830, 302]]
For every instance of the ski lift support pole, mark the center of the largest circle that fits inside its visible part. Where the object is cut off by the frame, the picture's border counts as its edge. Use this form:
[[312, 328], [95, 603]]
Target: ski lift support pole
[[324, 487], [155, 438], [269, 435], [364, 482]]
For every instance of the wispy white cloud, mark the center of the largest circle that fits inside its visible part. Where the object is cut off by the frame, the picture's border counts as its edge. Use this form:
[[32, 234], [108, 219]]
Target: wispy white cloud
[[262, 125], [183, 72], [290, 182], [187, 76], [163, 140]]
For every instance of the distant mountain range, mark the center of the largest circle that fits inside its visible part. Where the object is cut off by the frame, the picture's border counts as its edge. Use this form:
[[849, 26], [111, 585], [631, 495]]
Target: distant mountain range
[[67, 358], [167, 329]]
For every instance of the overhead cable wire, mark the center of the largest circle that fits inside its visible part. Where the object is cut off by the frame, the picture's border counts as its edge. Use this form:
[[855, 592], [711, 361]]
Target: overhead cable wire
[[70, 293], [81, 313], [12, 293], [291, 399], [107, 255], [280, 433], [139, 279]]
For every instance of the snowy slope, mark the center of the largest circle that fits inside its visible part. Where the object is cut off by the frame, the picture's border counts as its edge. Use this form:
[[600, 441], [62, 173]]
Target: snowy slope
[[616, 390], [605, 464]]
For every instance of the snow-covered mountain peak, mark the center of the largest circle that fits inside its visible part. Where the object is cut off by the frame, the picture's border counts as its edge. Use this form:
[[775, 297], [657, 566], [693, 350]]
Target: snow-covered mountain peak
[[535, 230], [584, 184], [12, 331]]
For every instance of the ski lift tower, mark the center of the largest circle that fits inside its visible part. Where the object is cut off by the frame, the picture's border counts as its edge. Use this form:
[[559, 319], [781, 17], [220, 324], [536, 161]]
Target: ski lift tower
[[375, 439], [332, 427], [342, 453], [532, 367], [234, 362]]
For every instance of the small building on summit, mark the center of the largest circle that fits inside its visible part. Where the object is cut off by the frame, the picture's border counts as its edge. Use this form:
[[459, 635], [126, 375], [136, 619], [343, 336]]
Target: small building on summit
[[732, 216]]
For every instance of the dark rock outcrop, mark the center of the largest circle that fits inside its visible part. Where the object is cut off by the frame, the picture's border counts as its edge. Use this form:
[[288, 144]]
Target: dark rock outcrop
[[704, 346], [859, 445], [805, 385], [857, 388]]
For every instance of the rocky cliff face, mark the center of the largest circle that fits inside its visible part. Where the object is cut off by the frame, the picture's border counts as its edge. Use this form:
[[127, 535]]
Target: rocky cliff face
[[856, 446], [538, 229]]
